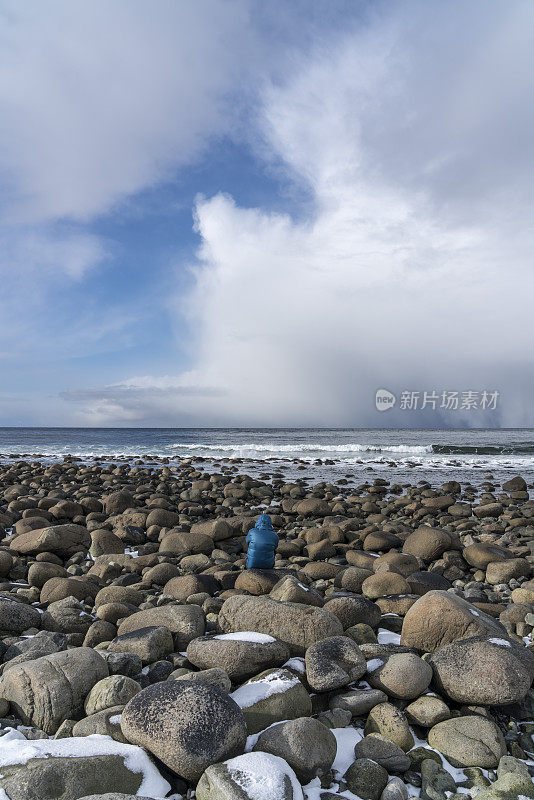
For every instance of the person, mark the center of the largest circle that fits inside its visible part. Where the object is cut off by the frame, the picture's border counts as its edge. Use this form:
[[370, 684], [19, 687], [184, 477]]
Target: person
[[262, 542]]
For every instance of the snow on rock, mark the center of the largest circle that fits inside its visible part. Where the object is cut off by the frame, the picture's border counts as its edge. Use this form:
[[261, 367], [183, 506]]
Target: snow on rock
[[388, 637], [261, 776], [374, 664], [296, 663], [346, 739], [246, 636], [255, 691], [17, 751], [501, 642]]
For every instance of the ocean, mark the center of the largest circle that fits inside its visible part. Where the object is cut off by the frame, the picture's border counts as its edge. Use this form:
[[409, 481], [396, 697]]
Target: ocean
[[398, 455]]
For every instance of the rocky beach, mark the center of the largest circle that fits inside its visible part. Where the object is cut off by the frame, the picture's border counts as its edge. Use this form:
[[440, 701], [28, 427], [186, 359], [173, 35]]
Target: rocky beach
[[388, 655]]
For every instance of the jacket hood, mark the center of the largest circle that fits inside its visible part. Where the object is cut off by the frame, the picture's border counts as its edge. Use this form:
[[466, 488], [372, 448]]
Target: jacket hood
[[264, 521]]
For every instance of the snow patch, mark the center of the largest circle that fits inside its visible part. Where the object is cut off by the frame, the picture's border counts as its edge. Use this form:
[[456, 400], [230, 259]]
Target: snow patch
[[346, 739], [261, 776], [246, 636], [388, 637], [374, 664], [255, 691], [296, 663], [501, 642]]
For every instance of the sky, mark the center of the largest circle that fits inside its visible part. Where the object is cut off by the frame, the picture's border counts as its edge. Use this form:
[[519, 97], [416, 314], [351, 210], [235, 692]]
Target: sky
[[247, 213]]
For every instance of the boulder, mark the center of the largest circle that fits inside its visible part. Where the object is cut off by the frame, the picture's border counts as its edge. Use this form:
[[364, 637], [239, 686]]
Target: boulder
[[253, 776], [187, 725], [65, 540], [216, 529], [353, 609], [403, 675], [64, 769], [382, 750], [333, 663], [184, 586], [241, 654], [150, 644], [390, 722], [17, 617], [272, 696], [481, 554], [308, 746], [428, 543], [366, 779], [290, 590], [182, 542], [482, 671], [115, 690], [438, 618], [50, 689], [117, 502], [470, 741], [299, 626], [427, 711], [184, 622]]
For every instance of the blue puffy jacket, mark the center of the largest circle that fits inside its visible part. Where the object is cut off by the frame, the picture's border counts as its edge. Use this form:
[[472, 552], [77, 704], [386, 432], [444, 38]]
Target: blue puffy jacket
[[262, 542]]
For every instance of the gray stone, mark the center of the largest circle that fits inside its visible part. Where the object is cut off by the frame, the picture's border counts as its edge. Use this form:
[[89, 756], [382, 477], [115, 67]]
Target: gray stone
[[483, 671], [403, 675], [249, 777], [299, 626], [239, 658], [17, 617], [115, 690], [184, 622], [468, 741], [62, 539], [439, 618], [186, 725], [385, 752], [305, 744], [150, 644], [358, 701], [366, 778], [333, 663], [272, 696], [50, 689]]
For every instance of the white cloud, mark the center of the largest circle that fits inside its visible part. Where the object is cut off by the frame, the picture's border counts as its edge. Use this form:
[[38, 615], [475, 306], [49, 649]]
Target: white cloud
[[414, 270], [100, 100], [413, 137]]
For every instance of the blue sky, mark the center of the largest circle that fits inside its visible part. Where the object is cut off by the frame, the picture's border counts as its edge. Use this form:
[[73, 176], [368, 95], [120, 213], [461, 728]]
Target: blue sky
[[235, 212]]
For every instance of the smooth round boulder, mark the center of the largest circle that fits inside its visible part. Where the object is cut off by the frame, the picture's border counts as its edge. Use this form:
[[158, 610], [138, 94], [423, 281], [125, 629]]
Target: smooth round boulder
[[253, 776], [115, 690], [383, 584], [428, 543], [241, 654], [403, 675], [308, 746], [184, 586], [333, 663], [299, 626], [354, 609], [184, 622], [187, 725], [272, 696], [481, 554], [50, 689], [439, 618], [470, 741], [17, 617], [482, 671]]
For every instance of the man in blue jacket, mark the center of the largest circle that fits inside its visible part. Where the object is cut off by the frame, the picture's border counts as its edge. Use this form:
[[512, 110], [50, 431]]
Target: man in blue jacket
[[262, 542]]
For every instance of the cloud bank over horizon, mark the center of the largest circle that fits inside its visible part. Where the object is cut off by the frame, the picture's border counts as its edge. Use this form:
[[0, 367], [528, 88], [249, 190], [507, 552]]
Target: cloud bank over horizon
[[402, 144]]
